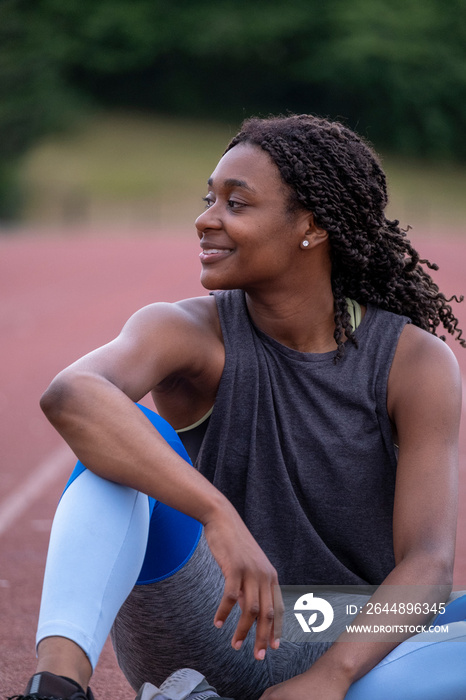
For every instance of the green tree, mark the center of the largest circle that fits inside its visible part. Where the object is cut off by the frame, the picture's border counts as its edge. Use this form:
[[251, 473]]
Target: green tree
[[34, 98], [393, 69]]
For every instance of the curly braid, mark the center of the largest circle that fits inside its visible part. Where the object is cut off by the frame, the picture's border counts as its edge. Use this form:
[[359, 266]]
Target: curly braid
[[336, 175]]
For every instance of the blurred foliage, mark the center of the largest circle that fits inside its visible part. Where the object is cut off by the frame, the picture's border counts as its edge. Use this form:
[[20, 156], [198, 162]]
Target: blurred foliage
[[34, 97], [393, 69]]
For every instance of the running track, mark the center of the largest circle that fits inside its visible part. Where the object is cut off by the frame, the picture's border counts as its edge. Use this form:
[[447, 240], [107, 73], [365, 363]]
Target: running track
[[59, 298]]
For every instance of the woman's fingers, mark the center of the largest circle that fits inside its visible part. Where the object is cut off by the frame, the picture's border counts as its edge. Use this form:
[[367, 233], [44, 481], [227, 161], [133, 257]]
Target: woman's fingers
[[265, 621], [250, 604], [250, 580], [279, 608], [231, 595], [255, 595]]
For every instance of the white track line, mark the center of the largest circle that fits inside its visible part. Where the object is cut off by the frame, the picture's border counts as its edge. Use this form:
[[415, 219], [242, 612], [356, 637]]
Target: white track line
[[45, 474]]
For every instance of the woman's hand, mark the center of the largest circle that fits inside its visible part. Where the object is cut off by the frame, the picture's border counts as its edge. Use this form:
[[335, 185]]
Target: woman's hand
[[314, 684], [250, 580]]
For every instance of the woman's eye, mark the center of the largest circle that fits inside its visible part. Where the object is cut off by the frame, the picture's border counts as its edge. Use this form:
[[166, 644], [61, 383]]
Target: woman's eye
[[233, 204], [208, 202]]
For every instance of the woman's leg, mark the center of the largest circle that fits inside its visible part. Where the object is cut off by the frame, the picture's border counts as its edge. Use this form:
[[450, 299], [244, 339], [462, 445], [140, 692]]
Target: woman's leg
[[429, 666], [167, 625], [421, 668], [97, 548]]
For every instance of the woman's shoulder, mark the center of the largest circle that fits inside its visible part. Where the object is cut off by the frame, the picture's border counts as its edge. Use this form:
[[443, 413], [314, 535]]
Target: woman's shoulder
[[179, 337], [183, 344], [185, 315], [199, 310], [423, 367], [420, 347]]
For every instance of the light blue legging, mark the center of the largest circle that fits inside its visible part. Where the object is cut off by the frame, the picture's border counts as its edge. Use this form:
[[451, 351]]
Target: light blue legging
[[107, 537]]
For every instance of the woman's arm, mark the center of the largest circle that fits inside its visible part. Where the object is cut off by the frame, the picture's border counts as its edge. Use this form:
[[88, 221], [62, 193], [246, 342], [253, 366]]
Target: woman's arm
[[91, 404], [424, 403]]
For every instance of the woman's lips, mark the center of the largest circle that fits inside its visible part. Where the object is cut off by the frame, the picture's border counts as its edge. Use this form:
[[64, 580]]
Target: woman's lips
[[213, 254]]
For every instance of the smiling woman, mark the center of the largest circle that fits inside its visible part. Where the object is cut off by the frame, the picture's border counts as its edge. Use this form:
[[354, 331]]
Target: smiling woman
[[302, 390], [249, 225]]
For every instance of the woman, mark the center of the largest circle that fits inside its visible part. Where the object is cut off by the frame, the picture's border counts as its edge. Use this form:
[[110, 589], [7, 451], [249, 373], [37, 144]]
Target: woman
[[297, 477]]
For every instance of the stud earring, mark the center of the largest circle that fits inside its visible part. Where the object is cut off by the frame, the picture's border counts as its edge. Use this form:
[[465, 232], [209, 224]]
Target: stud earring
[[305, 243]]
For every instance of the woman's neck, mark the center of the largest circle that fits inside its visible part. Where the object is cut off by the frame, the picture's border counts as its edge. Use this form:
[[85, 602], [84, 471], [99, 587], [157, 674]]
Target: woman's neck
[[302, 321]]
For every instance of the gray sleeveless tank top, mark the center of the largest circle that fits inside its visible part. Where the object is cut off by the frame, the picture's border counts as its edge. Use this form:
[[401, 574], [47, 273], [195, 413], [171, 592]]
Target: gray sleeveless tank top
[[303, 448]]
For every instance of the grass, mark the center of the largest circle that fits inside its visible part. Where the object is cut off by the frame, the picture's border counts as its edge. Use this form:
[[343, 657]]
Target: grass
[[122, 169], [130, 169], [430, 197]]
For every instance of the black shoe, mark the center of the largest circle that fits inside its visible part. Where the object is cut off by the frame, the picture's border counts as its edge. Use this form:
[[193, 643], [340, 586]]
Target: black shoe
[[48, 686]]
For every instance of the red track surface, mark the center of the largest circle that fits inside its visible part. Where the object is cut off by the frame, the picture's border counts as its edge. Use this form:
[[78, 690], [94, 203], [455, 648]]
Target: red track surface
[[61, 297]]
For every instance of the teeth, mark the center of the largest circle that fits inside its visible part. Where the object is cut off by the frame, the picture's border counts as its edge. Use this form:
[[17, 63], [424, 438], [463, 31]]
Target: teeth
[[212, 251]]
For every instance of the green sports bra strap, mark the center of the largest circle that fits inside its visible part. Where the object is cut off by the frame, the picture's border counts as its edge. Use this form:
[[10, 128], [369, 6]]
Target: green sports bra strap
[[354, 310]]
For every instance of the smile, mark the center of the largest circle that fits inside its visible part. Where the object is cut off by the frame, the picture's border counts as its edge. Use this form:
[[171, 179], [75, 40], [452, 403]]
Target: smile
[[212, 254]]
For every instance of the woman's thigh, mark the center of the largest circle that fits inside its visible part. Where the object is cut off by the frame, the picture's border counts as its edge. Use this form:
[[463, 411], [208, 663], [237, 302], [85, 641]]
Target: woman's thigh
[[168, 625]]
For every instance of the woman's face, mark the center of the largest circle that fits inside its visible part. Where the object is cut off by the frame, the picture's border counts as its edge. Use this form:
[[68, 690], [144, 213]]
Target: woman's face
[[248, 236]]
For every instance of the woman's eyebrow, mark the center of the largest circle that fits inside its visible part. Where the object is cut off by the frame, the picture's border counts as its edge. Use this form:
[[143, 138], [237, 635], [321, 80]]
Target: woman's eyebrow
[[233, 182]]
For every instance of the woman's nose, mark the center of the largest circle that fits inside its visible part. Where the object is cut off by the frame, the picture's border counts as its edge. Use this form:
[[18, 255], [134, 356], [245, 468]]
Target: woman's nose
[[207, 219]]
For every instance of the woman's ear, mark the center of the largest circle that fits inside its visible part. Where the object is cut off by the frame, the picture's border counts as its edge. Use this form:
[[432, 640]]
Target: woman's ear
[[314, 235]]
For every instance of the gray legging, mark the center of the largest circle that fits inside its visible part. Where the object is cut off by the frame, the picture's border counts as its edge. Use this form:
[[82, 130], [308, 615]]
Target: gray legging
[[169, 624]]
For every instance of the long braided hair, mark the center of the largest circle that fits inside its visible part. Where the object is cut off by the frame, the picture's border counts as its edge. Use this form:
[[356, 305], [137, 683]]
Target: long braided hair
[[336, 175]]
